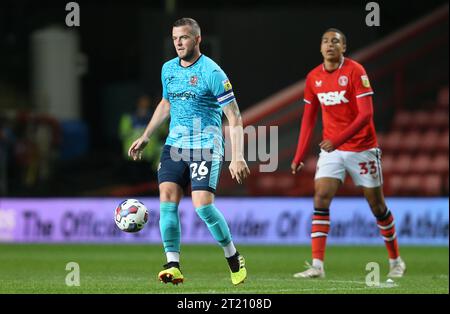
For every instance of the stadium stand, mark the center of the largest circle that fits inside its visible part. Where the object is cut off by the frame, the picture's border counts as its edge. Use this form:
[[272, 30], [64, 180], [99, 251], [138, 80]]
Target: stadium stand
[[411, 117]]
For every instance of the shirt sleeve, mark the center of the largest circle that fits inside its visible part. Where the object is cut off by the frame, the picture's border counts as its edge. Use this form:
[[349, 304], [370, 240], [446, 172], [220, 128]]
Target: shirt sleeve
[[308, 122], [361, 83], [221, 87], [164, 86], [309, 97], [306, 131]]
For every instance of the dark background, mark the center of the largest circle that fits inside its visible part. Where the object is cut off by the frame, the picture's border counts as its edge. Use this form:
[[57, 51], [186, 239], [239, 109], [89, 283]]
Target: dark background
[[263, 46]]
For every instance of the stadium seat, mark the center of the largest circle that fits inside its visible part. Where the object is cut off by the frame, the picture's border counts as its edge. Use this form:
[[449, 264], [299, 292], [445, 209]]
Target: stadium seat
[[395, 184], [410, 185], [391, 142], [421, 185], [439, 120], [388, 163], [446, 184], [429, 141], [442, 98], [421, 164], [443, 142], [439, 164], [421, 120], [402, 121], [268, 182], [413, 185], [402, 164], [281, 184], [432, 185], [410, 142]]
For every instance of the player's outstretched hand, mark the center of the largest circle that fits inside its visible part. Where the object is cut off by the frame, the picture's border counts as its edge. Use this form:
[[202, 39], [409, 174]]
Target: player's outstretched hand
[[296, 167], [239, 170], [135, 150]]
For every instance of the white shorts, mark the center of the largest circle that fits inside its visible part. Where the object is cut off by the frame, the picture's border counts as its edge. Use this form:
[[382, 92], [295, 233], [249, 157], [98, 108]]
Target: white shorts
[[364, 167]]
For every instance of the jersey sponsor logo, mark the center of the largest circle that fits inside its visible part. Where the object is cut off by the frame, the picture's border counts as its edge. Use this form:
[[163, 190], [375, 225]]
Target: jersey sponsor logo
[[343, 80], [227, 85], [182, 96], [318, 83], [332, 98], [193, 80], [365, 81]]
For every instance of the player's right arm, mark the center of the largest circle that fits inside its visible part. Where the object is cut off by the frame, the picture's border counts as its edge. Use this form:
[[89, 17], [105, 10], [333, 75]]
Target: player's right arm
[[162, 112], [307, 127]]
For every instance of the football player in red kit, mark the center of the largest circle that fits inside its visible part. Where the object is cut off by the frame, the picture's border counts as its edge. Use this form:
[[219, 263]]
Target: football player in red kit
[[340, 86]]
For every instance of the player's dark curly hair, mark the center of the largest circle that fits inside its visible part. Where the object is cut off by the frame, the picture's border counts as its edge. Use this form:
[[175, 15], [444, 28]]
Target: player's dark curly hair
[[188, 21], [332, 29]]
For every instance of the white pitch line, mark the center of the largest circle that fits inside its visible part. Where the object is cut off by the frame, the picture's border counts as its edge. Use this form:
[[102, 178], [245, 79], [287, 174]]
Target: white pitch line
[[380, 285], [347, 281]]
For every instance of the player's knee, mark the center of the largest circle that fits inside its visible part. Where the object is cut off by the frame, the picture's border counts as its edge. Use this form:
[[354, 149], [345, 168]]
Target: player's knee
[[169, 195], [165, 196], [201, 202], [202, 198], [322, 198]]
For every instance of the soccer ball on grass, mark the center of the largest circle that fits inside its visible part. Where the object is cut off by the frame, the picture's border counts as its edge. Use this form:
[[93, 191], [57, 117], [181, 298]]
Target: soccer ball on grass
[[131, 215]]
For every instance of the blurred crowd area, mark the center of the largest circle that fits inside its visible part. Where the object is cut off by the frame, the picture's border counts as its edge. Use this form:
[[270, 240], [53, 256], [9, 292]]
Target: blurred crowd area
[[29, 147], [118, 76], [40, 155]]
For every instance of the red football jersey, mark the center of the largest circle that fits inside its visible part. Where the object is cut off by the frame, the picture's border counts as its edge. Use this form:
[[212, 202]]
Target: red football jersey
[[337, 92]]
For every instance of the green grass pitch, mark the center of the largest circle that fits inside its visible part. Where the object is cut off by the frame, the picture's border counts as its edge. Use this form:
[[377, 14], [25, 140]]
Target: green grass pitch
[[39, 268]]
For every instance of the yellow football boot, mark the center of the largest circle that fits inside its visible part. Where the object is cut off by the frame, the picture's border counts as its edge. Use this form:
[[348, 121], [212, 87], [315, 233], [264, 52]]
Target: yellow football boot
[[171, 274], [239, 276]]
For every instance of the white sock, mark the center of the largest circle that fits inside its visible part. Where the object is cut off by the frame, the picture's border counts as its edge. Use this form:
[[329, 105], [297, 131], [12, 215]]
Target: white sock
[[317, 263], [173, 257], [229, 250], [394, 261]]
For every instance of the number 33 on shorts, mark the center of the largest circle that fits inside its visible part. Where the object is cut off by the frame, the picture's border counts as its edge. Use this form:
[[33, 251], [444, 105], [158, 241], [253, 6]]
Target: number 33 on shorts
[[372, 166], [364, 167]]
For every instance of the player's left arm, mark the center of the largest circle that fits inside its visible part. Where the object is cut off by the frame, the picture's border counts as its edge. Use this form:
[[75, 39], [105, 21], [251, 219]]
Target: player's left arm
[[223, 90], [238, 167], [363, 92], [365, 114]]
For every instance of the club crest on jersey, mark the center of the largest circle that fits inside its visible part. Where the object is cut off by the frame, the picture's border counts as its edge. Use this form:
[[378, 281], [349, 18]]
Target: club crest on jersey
[[343, 80], [193, 80], [318, 83], [227, 85], [365, 81]]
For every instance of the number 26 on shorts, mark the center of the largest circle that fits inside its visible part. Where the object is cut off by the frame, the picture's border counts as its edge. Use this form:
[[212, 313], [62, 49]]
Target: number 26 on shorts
[[202, 169]]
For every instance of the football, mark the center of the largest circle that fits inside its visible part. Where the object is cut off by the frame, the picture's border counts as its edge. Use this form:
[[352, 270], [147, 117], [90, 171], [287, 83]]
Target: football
[[131, 215]]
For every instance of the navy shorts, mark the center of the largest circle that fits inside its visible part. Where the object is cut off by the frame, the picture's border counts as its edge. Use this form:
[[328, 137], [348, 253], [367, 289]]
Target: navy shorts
[[200, 167]]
